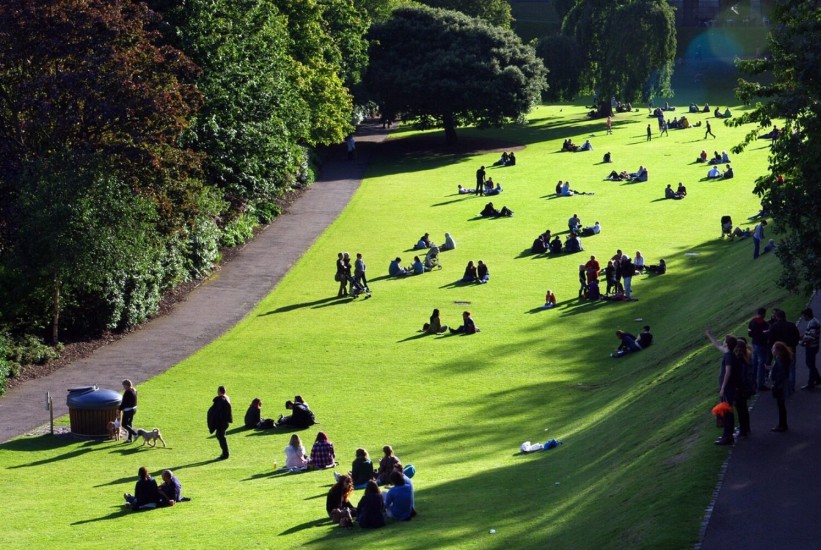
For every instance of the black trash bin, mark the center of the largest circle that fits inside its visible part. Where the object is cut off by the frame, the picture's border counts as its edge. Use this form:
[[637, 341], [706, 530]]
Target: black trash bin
[[91, 409]]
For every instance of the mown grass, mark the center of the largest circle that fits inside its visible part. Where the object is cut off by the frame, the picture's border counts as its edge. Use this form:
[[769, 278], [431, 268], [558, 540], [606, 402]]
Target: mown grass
[[637, 466]]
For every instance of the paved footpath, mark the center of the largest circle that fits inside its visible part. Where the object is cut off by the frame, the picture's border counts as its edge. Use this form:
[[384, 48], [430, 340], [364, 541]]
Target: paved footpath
[[770, 496], [211, 309]]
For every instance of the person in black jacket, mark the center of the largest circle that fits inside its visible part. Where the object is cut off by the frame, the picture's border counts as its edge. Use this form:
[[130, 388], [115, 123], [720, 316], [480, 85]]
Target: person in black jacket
[[785, 331], [370, 512], [146, 494], [301, 416], [219, 417], [128, 408]]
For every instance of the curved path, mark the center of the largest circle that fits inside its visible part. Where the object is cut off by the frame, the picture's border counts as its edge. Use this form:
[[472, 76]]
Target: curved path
[[208, 311]]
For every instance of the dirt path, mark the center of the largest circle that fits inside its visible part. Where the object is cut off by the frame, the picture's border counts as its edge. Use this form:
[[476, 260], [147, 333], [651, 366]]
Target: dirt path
[[209, 310]]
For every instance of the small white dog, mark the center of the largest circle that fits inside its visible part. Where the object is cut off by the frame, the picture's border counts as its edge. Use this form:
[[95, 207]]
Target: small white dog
[[150, 437]]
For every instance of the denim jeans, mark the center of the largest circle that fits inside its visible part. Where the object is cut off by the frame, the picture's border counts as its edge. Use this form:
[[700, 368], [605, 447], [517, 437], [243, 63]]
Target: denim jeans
[[759, 360]]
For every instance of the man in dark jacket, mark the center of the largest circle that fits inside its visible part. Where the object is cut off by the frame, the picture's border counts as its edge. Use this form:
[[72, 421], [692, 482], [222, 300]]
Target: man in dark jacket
[[756, 330], [128, 408], [785, 331], [219, 417]]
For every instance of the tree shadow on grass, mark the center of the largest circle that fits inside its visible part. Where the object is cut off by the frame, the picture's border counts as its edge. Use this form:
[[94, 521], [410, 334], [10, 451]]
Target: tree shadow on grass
[[118, 513], [48, 442], [307, 525]]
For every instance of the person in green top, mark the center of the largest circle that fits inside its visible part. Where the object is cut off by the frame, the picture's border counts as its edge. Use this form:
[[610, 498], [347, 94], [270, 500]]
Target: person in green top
[[362, 469]]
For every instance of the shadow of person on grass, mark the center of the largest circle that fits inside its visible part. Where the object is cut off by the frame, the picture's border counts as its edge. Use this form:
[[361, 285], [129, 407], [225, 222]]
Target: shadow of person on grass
[[307, 525], [292, 307], [118, 513]]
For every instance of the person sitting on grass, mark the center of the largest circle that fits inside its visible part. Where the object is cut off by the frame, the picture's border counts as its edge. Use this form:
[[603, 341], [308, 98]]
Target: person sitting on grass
[[417, 266], [399, 500], [339, 496], [395, 269], [658, 269], [370, 512], [549, 300], [322, 453], [628, 344], [769, 247], [295, 458], [493, 190], [681, 190], [716, 158], [301, 416], [511, 159], [714, 173], [386, 465], [586, 146], [253, 416], [640, 175], [468, 325], [450, 244], [574, 224], [556, 245], [702, 157], [502, 160], [171, 489], [572, 244], [607, 158], [565, 190], [617, 176], [435, 325], [645, 337], [728, 173], [466, 190], [539, 245], [362, 469], [670, 194], [146, 493], [740, 233], [482, 274], [470, 273], [423, 242]]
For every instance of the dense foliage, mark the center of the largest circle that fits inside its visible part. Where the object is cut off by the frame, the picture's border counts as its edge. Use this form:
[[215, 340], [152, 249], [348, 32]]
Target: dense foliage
[[612, 33], [564, 63], [794, 95], [494, 12], [444, 69], [136, 139]]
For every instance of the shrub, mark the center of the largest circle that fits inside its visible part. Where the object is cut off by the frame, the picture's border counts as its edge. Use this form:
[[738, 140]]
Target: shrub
[[239, 230]]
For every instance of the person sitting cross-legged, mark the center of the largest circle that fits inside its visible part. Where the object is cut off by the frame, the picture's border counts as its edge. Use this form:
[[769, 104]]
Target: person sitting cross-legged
[[468, 325]]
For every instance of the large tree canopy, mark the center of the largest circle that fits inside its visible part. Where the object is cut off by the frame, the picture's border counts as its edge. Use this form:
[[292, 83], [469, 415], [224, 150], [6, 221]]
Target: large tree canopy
[[443, 68], [629, 45], [495, 12], [794, 94]]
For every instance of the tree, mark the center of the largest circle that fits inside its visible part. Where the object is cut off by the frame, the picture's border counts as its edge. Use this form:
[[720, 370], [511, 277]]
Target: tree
[[442, 68], [610, 33], [564, 62], [494, 12], [793, 93]]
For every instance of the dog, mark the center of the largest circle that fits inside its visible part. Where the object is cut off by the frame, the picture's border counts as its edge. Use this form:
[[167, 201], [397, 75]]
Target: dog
[[114, 429], [151, 437]]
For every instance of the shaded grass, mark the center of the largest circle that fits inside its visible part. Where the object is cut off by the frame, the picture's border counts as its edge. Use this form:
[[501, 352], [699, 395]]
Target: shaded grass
[[637, 466]]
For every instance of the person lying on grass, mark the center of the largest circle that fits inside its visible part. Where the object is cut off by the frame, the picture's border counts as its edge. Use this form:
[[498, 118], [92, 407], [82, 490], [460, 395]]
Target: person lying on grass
[[628, 344]]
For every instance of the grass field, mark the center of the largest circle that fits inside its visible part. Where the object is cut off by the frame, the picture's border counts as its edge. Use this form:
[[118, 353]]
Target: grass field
[[637, 466]]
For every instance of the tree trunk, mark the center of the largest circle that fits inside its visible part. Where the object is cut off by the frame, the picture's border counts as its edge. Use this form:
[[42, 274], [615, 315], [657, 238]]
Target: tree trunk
[[55, 318], [450, 129]]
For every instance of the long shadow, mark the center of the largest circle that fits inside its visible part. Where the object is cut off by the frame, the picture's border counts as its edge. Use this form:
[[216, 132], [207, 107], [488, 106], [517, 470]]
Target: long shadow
[[414, 337], [445, 203], [66, 456], [307, 525], [118, 513], [282, 472], [132, 478], [46, 442], [292, 307]]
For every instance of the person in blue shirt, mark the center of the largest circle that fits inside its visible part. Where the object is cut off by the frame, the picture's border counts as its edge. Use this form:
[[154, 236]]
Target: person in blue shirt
[[399, 500]]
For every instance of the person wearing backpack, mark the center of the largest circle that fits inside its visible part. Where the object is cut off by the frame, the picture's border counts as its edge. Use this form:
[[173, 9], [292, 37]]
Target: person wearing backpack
[[810, 342]]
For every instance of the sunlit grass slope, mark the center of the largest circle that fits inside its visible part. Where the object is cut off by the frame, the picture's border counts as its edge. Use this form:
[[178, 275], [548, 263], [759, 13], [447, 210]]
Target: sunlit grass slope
[[637, 466]]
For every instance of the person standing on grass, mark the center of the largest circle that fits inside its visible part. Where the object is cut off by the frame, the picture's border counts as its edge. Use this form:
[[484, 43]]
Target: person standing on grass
[[219, 417], [128, 408], [649, 133], [709, 131], [359, 271], [480, 181], [609, 124], [810, 342], [758, 236], [757, 331]]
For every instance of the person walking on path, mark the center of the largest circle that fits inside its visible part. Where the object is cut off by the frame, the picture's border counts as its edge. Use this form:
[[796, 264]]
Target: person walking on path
[[758, 236], [709, 131], [810, 342], [219, 417], [757, 331], [350, 144], [359, 271], [128, 408]]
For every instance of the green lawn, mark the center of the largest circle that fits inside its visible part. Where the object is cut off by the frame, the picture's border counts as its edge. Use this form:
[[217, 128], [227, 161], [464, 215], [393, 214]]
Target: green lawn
[[637, 466]]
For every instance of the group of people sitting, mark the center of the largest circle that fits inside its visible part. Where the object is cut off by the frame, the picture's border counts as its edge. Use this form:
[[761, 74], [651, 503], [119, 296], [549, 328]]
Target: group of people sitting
[[678, 194], [639, 175], [147, 494], [507, 159], [723, 158], [490, 211], [726, 114], [658, 112], [568, 145], [628, 343], [301, 416], [714, 173], [420, 266], [694, 108], [476, 273], [374, 506], [543, 244], [563, 190]]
